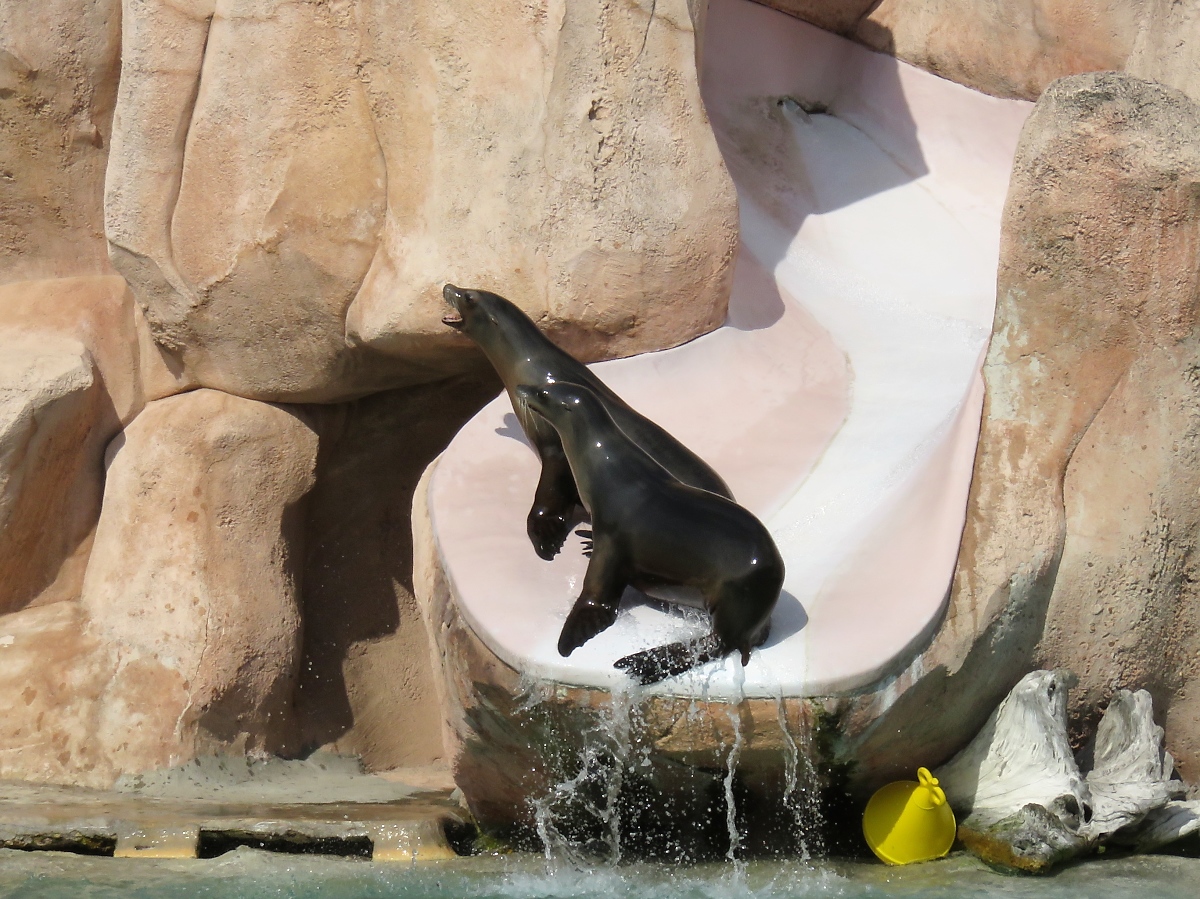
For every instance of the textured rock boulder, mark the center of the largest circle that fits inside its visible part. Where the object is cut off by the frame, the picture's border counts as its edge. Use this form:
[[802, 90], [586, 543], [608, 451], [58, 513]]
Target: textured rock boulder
[[1001, 48], [619, 219], [340, 162], [193, 575], [74, 366], [1079, 545], [50, 404], [244, 215], [186, 637], [59, 63]]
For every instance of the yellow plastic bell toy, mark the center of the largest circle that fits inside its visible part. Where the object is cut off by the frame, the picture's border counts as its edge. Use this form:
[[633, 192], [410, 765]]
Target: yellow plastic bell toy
[[909, 822]]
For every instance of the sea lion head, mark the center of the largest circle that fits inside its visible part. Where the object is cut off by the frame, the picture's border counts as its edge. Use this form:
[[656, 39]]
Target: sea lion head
[[477, 311], [555, 402], [465, 304], [497, 325]]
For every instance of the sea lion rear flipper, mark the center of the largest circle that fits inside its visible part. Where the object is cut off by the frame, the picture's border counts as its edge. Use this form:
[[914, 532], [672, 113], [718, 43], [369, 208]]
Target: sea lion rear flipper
[[596, 608], [652, 665], [588, 543]]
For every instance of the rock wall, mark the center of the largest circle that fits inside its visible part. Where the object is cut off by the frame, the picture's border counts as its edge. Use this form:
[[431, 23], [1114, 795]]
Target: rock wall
[[1017, 49], [1167, 47], [282, 188], [1079, 546], [291, 184], [73, 371], [185, 635]]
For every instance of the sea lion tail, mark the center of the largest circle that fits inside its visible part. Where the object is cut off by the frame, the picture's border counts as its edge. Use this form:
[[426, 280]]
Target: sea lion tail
[[652, 665]]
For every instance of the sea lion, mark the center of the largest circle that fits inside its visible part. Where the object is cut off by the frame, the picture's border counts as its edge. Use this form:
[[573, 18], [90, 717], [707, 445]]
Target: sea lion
[[523, 355], [651, 529]]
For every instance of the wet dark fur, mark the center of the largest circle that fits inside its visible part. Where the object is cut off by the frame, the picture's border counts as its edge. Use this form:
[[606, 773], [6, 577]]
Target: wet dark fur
[[650, 529], [522, 355]]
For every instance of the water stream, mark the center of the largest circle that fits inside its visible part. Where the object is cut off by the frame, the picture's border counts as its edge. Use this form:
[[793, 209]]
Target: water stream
[[800, 792], [731, 760]]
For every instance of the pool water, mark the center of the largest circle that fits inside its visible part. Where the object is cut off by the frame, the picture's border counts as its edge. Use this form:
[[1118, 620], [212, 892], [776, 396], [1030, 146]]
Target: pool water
[[248, 874]]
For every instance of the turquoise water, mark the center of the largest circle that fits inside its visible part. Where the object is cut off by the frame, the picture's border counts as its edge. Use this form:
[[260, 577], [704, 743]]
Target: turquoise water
[[249, 874]]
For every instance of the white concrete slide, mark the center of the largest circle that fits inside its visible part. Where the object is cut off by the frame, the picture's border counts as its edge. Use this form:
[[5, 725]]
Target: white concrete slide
[[841, 399]]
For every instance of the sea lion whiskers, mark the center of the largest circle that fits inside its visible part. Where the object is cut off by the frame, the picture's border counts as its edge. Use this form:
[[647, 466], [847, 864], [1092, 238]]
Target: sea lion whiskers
[[521, 405]]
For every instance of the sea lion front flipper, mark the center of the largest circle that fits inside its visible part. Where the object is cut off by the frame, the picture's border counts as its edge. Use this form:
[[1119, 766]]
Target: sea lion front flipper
[[596, 608], [652, 665], [554, 503]]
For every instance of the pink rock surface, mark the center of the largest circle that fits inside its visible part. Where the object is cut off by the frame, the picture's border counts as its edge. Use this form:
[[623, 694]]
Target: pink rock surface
[[841, 399]]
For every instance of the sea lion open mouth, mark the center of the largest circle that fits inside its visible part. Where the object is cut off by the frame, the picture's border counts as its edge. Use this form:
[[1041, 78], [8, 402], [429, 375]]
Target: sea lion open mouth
[[454, 319]]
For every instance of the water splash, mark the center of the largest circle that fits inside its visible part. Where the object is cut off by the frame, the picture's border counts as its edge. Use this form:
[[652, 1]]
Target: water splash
[[609, 794], [585, 799]]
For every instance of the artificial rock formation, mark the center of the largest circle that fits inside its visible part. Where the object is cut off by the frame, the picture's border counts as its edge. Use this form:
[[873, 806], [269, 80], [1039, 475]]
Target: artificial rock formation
[[1167, 48], [1018, 49], [288, 220], [1124, 610], [75, 365], [244, 214], [52, 680], [283, 187], [366, 684], [186, 636], [1078, 550], [49, 405], [1001, 48], [193, 574]]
